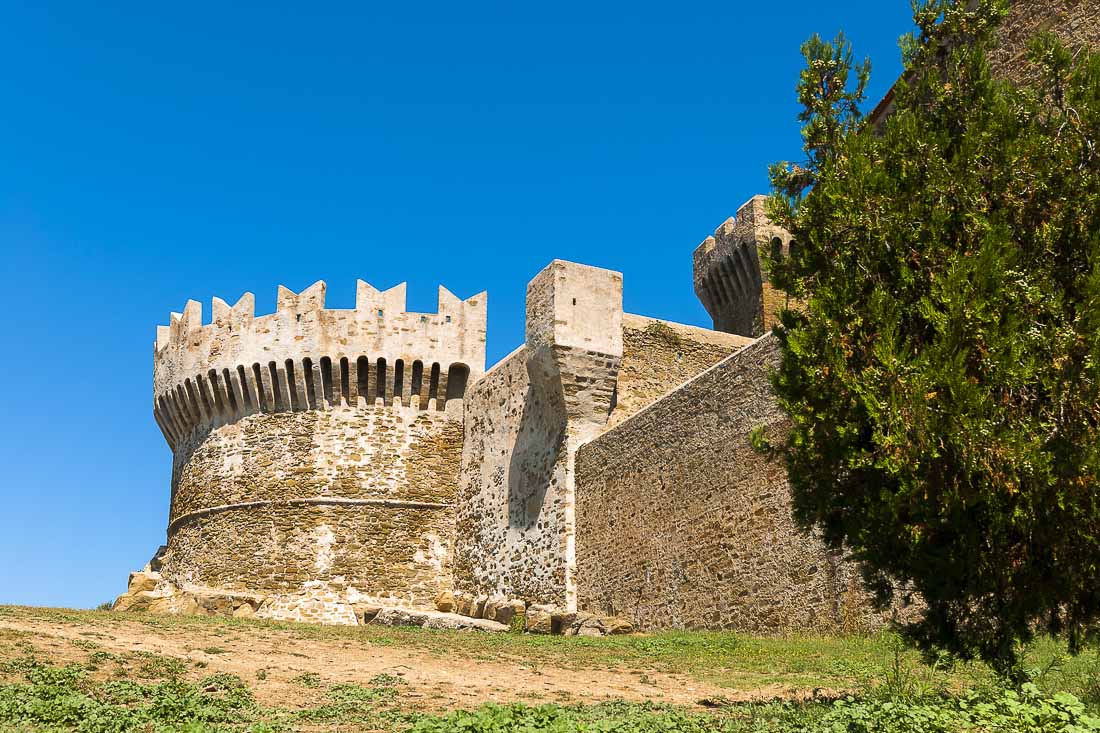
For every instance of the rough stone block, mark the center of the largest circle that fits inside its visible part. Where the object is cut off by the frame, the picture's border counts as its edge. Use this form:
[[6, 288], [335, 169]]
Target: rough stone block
[[540, 620], [614, 626], [445, 602]]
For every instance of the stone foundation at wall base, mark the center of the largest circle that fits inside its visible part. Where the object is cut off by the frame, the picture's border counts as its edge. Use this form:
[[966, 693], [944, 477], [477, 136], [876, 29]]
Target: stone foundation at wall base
[[341, 606], [518, 616]]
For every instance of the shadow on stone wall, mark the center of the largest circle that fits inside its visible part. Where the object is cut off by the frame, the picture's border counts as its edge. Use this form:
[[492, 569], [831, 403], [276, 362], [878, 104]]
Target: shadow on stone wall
[[534, 458]]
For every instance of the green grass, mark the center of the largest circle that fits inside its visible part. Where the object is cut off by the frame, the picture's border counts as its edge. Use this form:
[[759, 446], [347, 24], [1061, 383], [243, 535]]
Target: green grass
[[52, 698], [719, 658], [864, 684]]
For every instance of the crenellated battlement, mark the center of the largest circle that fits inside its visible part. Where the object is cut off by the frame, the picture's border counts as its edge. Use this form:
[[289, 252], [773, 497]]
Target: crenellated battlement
[[305, 356], [729, 279]]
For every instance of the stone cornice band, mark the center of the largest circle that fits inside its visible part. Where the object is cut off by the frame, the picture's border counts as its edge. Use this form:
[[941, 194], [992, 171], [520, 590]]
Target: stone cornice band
[[317, 501]]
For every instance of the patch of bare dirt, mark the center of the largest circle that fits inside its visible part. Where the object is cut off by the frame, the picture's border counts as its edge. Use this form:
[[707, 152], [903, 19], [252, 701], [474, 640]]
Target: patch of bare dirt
[[273, 663]]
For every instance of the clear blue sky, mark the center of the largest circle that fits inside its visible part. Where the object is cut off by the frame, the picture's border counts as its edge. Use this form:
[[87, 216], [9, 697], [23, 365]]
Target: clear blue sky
[[155, 152]]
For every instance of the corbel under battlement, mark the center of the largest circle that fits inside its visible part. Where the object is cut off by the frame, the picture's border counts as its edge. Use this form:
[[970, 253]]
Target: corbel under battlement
[[398, 344]]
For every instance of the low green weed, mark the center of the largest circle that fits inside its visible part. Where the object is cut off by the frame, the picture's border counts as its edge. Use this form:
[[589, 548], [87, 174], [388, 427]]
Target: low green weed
[[308, 679], [1026, 711]]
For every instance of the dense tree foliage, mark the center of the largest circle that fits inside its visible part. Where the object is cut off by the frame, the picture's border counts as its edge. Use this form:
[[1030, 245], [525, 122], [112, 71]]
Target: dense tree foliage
[[943, 373]]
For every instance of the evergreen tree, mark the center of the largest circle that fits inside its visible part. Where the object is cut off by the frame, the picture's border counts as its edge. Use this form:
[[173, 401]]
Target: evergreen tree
[[942, 374]]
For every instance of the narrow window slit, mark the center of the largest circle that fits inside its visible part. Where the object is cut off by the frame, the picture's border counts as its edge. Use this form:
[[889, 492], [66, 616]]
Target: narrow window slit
[[193, 399], [246, 391], [326, 379], [292, 385], [263, 396], [776, 249], [277, 398], [433, 385], [417, 378], [230, 393], [205, 396], [457, 376], [399, 378], [307, 373], [218, 393], [345, 380], [380, 379], [362, 377]]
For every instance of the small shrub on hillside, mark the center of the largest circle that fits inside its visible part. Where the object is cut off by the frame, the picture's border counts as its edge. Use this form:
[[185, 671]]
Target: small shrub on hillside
[[308, 679]]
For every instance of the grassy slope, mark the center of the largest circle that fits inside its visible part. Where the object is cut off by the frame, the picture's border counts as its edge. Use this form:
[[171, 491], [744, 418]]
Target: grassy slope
[[78, 679]]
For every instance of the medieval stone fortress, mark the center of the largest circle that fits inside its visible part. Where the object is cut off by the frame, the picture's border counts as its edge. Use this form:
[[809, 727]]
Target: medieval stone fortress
[[344, 466]]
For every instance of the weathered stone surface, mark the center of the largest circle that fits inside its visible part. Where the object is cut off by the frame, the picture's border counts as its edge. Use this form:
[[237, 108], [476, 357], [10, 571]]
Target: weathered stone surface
[[333, 466], [681, 523], [313, 606], [445, 602], [289, 478], [584, 360], [572, 622], [590, 629], [729, 278], [185, 604], [435, 620], [1075, 22], [502, 610], [659, 356], [582, 623], [316, 444], [142, 581], [134, 601], [614, 626], [365, 612], [540, 620]]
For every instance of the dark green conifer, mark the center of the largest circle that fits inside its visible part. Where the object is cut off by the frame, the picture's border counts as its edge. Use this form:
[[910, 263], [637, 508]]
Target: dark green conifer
[[942, 375]]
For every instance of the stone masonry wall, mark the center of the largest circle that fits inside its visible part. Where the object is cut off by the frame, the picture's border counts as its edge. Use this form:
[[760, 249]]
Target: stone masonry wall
[[510, 518], [659, 356], [356, 495], [681, 524], [1075, 22], [728, 271], [514, 518]]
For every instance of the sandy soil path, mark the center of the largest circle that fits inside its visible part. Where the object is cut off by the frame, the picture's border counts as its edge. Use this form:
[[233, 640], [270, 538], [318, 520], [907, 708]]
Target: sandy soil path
[[436, 681]]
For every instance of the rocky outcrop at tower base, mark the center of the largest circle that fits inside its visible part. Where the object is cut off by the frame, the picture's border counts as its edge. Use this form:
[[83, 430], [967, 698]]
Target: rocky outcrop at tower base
[[149, 592]]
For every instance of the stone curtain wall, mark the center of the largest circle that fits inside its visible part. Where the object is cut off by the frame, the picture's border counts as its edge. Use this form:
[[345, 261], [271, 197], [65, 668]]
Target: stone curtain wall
[[659, 356], [681, 524], [510, 517], [1076, 22], [523, 423], [362, 495], [512, 523]]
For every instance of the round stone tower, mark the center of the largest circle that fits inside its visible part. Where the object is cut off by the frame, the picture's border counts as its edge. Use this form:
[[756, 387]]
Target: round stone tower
[[316, 448]]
